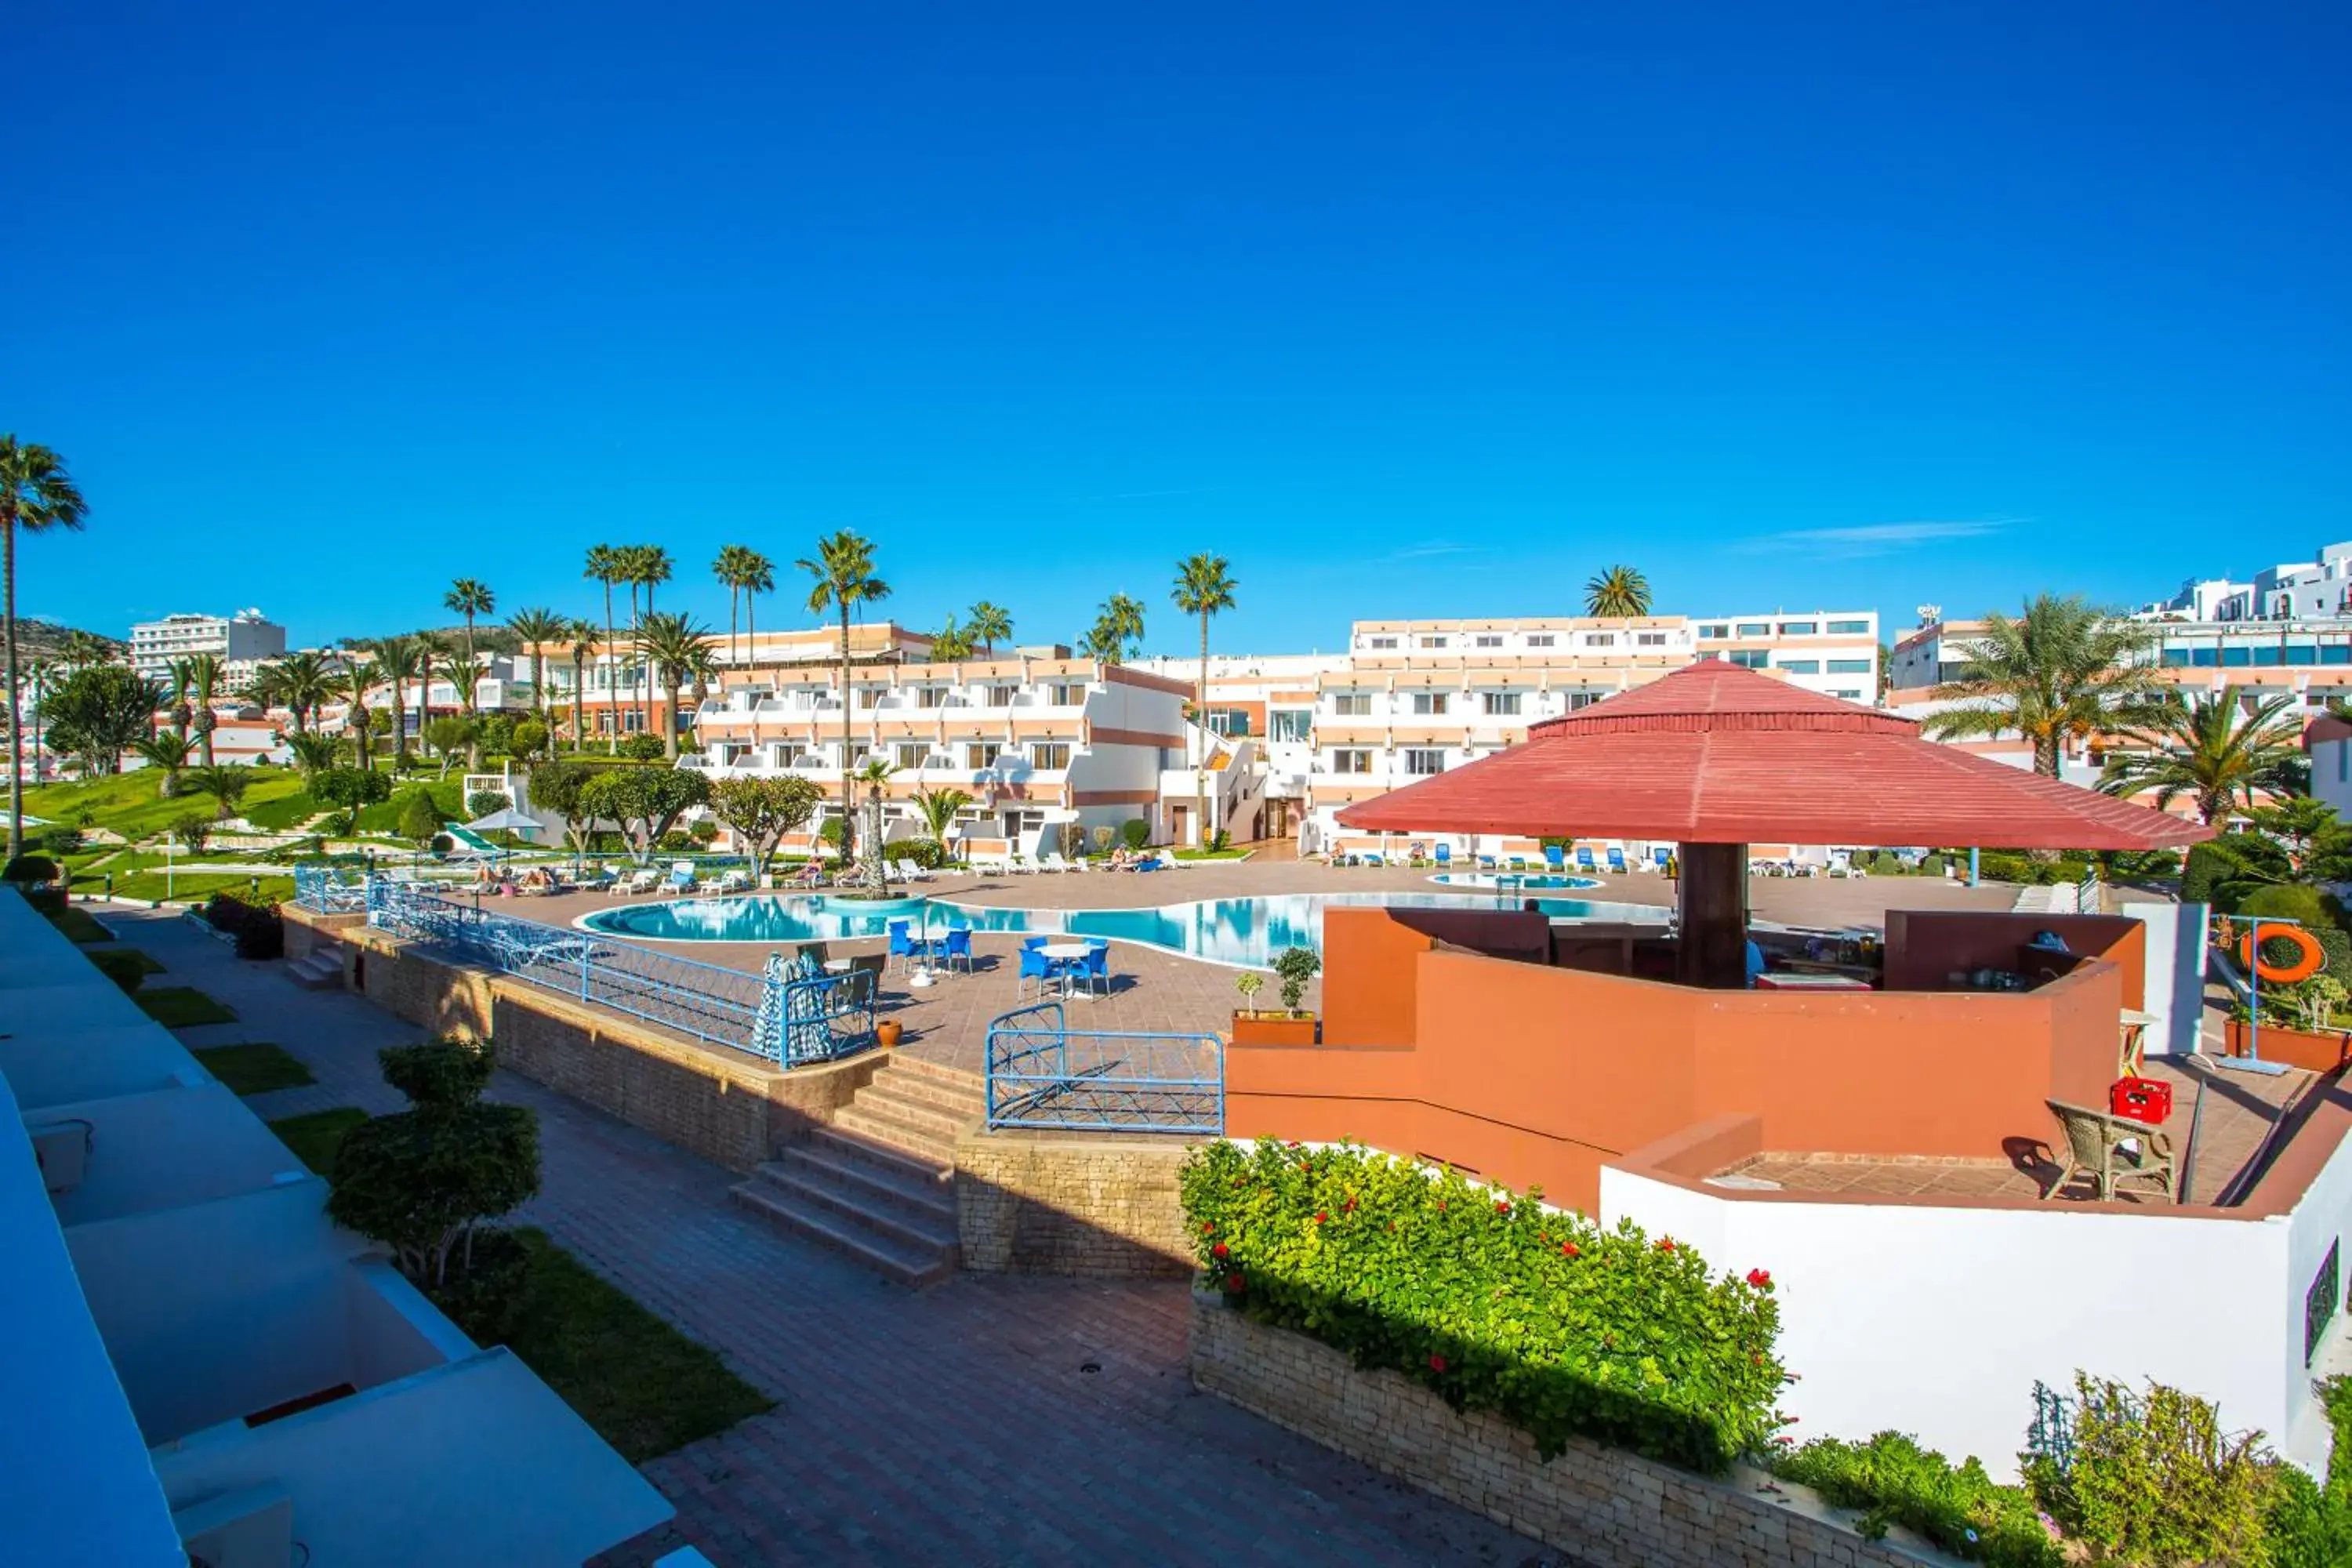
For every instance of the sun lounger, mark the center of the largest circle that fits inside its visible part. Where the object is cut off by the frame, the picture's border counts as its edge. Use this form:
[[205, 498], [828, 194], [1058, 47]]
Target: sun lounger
[[643, 880], [908, 871]]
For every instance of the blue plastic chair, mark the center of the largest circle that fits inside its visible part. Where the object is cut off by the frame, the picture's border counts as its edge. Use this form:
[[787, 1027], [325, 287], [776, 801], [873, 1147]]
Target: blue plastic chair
[[1555, 857], [959, 946], [902, 945], [1445, 856], [1584, 859], [1098, 967], [1616, 859], [1663, 855], [1036, 966]]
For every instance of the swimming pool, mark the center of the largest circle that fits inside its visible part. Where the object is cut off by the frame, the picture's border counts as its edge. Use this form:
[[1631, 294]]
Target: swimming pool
[[1511, 881], [1246, 933]]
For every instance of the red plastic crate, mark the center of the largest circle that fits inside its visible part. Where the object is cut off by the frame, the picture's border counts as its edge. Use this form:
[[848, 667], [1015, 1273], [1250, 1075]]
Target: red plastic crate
[[2144, 1100]]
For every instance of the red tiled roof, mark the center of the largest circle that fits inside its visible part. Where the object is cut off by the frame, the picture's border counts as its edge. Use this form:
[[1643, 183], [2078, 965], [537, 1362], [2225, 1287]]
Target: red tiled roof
[[1718, 755]]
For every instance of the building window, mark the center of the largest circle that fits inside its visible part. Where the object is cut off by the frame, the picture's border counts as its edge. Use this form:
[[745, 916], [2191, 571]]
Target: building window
[[1486, 640], [1502, 704], [1291, 723], [1422, 763], [1756, 628], [931, 696], [1850, 666], [1601, 639], [1432, 642], [912, 753], [1577, 700], [981, 754], [1540, 639], [1379, 644], [1802, 666], [1429, 701], [1229, 720], [1069, 695], [1799, 628], [1351, 762], [1050, 754], [1850, 629], [1001, 696], [1713, 633], [1849, 696], [1747, 659], [1650, 639], [858, 753], [1353, 704]]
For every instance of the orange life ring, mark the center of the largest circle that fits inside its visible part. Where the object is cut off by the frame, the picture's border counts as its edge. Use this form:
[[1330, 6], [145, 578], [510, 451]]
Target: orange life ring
[[2304, 968]]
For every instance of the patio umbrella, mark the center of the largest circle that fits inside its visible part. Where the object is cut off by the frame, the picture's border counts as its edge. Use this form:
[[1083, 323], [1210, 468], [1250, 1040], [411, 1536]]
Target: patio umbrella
[[1714, 757], [508, 817]]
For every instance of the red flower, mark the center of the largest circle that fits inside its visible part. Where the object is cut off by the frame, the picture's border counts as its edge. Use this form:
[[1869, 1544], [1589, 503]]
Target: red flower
[[1348, 1207], [1322, 1219], [1568, 1249], [1391, 1224], [1437, 1364], [1234, 1283], [1208, 1228], [1502, 1208], [1760, 1278], [1221, 1251], [1666, 1244], [1441, 1205]]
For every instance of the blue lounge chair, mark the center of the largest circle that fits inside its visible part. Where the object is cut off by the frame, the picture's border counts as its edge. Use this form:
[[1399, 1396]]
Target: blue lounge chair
[[1555, 858], [1584, 859], [1617, 859], [1445, 856], [1486, 863], [959, 946], [1662, 854]]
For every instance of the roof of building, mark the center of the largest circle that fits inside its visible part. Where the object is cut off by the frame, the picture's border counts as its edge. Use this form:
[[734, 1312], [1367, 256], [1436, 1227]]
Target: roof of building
[[1718, 755]]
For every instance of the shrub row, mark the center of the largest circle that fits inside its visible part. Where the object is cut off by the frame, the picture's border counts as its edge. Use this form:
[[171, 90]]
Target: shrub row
[[1559, 1326], [257, 931]]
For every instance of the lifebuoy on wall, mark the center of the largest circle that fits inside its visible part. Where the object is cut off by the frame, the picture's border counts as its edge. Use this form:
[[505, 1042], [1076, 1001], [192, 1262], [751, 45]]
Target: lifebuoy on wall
[[2304, 966]]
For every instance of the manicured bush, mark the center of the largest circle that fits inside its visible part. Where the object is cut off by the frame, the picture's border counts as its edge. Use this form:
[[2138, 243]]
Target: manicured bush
[[1931, 866], [642, 748], [420, 819], [1135, 833], [928, 854], [1888, 863], [1560, 1327], [529, 738], [194, 831], [1295, 966], [28, 869], [62, 841], [257, 931], [702, 830], [1895, 1481], [483, 802], [2222, 871]]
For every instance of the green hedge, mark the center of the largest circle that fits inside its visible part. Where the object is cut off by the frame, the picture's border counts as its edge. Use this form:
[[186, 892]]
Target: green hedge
[[1555, 1325], [1895, 1481]]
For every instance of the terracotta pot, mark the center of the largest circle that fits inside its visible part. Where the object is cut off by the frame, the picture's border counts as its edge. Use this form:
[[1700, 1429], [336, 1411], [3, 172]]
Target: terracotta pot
[[2296, 1047], [887, 1032], [1275, 1029]]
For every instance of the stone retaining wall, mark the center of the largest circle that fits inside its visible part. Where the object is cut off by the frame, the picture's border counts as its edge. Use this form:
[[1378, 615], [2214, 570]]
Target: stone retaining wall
[[306, 931], [1048, 1203], [1602, 1507], [730, 1108]]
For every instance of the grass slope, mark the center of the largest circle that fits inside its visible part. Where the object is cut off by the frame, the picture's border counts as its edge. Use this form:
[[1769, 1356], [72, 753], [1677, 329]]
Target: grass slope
[[315, 1138], [182, 1007], [256, 1067]]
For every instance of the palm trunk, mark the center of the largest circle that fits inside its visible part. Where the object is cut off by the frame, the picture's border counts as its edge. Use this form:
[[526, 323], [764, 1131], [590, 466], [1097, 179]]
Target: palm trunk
[[424, 702], [1201, 725], [751, 661], [467, 695], [670, 736], [848, 806], [579, 703], [16, 753], [611, 688]]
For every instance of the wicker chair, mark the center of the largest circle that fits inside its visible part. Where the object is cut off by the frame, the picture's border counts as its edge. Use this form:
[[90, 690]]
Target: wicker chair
[[2093, 1140]]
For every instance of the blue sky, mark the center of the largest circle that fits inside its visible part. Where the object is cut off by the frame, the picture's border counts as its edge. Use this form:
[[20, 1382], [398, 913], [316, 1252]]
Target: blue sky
[[1405, 310]]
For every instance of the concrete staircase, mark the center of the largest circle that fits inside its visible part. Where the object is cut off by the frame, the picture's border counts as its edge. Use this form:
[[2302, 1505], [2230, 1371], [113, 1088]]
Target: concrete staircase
[[320, 969], [879, 1184]]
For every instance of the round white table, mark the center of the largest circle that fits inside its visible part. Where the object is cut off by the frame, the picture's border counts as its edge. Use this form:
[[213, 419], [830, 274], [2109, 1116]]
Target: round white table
[[839, 966], [1068, 954]]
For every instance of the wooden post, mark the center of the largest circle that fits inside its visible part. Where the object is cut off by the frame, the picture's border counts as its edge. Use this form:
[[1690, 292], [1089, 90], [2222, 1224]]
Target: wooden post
[[1713, 947]]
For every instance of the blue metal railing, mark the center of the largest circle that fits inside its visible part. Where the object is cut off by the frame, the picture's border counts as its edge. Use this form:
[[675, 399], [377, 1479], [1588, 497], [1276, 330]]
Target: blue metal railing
[[1042, 1074], [330, 889], [786, 1018]]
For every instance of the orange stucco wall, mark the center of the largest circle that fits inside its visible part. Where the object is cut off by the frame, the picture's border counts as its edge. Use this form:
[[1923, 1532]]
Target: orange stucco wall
[[1534, 1075]]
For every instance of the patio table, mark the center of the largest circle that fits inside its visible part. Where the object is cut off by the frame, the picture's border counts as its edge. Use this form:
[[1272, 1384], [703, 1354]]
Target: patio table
[[1072, 957]]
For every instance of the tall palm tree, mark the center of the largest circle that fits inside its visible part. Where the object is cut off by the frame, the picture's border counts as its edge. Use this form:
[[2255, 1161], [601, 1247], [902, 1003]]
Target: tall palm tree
[[843, 568], [41, 675], [36, 495], [431, 647], [85, 649], [990, 625], [581, 635], [2213, 746], [606, 564], [729, 568], [951, 643], [938, 808], [397, 661], [649, 567], [1617, 591], [673, 647], [1203, 587], [300, 682], [165, 751], [469, 597], [2061, 671], [759, 577], [207, 676], [534, 629], [453, 666], [351, 686], [1118, 630]]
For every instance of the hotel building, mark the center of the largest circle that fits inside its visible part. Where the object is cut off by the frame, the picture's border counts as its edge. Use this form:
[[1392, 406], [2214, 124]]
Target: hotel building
[[241, 641]]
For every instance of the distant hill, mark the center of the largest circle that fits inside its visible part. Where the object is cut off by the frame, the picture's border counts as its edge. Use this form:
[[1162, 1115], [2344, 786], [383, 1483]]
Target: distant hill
[[47, 639]]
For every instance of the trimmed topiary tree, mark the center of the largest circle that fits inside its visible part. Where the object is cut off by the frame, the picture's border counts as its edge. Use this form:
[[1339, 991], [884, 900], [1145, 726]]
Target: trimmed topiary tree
[[420, 819], [1135, 833]]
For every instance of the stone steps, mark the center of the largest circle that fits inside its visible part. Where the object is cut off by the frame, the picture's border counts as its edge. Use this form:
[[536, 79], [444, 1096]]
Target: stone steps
[[320, 969]]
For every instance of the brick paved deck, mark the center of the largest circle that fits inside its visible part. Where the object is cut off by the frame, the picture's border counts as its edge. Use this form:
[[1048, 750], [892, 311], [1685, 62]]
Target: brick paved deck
[[954, 1426]]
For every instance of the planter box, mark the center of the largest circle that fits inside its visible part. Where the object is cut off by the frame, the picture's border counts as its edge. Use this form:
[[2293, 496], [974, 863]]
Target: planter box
[[2320, 1053], [1275, 1029]]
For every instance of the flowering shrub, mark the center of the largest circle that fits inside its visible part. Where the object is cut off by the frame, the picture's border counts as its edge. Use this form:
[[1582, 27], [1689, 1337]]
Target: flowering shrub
[[1556, 1325], [1895, 1481]]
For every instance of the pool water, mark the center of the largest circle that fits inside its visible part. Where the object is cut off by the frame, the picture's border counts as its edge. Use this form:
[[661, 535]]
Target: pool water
[[1246, 932], [1511, 881]]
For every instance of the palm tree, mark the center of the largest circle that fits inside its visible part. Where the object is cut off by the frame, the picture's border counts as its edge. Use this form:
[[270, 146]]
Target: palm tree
[[165, 751], [951, 643], [673, 647], [312, 754], [41, 675], [990, 625], [844, 570], [300, 681], [875, 776], [581, 633], [350, 687], [1203, 587], [729, 568], [458, 669], [206, 675], [938, 808], [649, 567], [469, 596], [1618, 591], [182, 681], [430, 647], [398, 661], [84, 649], [759, 577], [1118, 630], [36, 495], [534, 629], [2061, 671], [2212, 746], [606, 564]]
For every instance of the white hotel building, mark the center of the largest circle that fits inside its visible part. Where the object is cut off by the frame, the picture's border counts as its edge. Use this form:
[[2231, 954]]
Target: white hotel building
[[241, 642]]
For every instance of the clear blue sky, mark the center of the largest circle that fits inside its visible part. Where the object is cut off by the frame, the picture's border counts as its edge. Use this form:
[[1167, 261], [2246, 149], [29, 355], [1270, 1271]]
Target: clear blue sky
[[1406, 309]]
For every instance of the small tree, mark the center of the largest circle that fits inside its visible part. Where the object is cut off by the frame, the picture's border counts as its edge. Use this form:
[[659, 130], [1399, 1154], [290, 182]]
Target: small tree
[[529, 738], [1135, 833], [351, 788], [646, 801], [448, 737], [226, 786], [759, 812], [642, 748], [194, 830], [1295, 967], [419, 819], [1249, 983], [1103, 837], [483, 802], [422, 1180]]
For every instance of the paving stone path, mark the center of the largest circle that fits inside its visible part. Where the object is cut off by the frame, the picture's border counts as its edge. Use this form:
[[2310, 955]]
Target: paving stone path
[[988, 1420]]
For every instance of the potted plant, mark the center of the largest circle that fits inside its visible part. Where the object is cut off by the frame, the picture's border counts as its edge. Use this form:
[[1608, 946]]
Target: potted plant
[[1295, 966]]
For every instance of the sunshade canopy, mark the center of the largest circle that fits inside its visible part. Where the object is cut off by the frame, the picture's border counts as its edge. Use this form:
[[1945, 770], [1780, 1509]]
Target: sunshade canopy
[[507, 817], [1717, 754]]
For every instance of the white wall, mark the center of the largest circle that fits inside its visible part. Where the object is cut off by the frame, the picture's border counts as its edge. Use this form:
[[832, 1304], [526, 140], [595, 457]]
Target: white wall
[[2175, 989], [1938, 1322], [2331, 774], [169, 1148]]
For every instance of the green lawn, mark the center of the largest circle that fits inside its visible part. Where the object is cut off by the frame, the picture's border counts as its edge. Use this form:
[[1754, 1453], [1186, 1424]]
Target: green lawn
[[315, 1138], [182, 1007], [132, 804], [79, 926], [286, 812], [1214, 854], [255, 1068], [644, 1387], [192, 888]]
